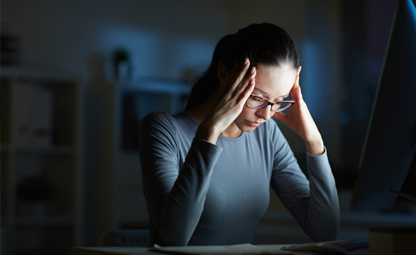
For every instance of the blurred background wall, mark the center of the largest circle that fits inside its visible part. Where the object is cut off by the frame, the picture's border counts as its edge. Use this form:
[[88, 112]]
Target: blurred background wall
[[341, 45]]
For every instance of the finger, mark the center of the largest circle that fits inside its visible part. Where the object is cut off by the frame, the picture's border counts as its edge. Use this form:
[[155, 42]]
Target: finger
[[237, 69], [244, 83], [293, 91], [296, 93], [298, 77], [237, 91], [242, 73], [232, 75], [299, 91], [247, 91]]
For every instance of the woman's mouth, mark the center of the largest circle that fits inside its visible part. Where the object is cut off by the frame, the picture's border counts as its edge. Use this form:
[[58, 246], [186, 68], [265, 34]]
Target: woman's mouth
[[253, 123]]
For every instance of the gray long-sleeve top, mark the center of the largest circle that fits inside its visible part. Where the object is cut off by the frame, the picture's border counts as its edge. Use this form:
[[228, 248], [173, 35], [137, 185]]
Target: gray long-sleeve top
[[199, 193]]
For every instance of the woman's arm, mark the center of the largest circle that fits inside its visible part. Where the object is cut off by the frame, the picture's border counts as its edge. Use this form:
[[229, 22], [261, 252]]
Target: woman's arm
[[313, 200], [175, 193]]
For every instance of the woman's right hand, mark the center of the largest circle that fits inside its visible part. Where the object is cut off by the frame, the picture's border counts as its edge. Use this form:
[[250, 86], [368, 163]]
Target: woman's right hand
[[237, 89]]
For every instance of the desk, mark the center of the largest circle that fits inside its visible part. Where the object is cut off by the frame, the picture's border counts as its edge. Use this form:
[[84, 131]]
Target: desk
[[113, 251], [282, 227], [248, 249], [353, 225]]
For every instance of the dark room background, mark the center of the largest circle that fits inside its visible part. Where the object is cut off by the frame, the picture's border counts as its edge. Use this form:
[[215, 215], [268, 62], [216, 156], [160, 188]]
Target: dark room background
[[77, 75]]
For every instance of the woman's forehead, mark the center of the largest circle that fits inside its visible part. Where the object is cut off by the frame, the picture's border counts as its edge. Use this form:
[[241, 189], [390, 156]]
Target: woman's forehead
[[273, 81], [266, 95]]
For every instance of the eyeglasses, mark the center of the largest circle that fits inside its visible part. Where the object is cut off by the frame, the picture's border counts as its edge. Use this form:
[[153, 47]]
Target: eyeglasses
[[256, 102]]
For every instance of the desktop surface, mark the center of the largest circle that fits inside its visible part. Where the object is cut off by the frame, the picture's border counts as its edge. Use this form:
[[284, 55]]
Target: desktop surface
[[241, 249]]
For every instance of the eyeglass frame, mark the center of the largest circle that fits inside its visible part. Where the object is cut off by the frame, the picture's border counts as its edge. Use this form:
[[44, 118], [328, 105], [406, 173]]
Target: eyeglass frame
[[267, 103]]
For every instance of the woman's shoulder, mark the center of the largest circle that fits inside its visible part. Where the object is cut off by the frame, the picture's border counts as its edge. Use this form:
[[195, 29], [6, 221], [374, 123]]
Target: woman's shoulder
[[158, 122], [158, 118], [165, 122], [166, 119]]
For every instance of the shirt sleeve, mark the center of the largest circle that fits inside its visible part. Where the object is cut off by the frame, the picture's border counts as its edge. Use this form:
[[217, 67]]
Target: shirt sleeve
[[314, 200], [175, 193]]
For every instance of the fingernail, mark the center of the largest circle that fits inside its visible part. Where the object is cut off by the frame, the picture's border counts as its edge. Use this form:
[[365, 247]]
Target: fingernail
[[247, 62], [253, 69]]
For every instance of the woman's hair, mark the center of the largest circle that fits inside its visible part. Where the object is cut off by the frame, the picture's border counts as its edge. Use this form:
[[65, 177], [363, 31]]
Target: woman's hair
[[263, 43]]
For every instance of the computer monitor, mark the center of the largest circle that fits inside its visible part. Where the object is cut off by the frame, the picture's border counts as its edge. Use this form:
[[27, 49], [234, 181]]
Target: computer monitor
[[389, 152]]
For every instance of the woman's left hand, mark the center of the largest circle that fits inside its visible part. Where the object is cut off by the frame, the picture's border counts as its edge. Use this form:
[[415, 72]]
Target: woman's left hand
[[300, 120]]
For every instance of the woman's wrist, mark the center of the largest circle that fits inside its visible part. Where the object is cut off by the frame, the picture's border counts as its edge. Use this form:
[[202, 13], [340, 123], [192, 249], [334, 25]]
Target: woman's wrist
[[315, 147], [207, 133]]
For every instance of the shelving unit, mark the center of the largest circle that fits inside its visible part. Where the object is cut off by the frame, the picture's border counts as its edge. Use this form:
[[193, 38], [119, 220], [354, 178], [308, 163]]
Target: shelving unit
[[40, 163], [125, 104]]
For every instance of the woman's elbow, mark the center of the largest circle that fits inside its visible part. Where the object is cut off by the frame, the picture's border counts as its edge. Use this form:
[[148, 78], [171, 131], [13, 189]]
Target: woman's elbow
[[170, 242], [165, 238], [328, 231]]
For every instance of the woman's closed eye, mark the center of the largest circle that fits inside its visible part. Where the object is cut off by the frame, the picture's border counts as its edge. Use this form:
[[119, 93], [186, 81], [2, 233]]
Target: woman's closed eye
[[257, 98]]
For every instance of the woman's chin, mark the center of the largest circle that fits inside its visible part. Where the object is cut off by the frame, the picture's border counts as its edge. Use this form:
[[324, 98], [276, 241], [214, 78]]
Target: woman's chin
[[248, 127]]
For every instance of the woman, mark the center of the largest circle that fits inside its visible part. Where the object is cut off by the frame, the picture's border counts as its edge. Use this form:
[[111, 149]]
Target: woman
[[207, 171]]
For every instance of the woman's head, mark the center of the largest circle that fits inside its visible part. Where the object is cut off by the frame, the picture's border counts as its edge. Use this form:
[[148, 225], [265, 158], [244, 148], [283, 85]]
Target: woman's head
[[264, 43], [268, 47]]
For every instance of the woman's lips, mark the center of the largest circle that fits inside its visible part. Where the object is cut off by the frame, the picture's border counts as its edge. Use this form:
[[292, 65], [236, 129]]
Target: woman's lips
[[254, 124]]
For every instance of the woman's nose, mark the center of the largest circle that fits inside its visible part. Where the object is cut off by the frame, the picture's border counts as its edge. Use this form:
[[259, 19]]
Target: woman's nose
[[265, 113]]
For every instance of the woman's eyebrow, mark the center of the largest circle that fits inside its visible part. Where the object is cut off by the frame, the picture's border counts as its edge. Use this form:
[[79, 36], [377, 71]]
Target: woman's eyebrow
[[284, 96], [263, 93]]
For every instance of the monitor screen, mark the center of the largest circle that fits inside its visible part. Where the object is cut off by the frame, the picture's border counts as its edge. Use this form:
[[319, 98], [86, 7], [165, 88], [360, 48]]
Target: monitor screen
[[390, 147]]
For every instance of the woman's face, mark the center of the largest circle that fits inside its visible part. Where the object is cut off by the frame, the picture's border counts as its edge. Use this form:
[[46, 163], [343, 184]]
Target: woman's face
[[273, 83]]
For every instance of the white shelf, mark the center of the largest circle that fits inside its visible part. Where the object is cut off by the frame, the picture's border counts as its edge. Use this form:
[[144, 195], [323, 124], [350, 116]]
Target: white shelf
[[38, 149], [24, 156]]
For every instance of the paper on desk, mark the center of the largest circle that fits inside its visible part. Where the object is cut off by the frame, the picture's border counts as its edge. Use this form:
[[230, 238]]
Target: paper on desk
[[241, 249]]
